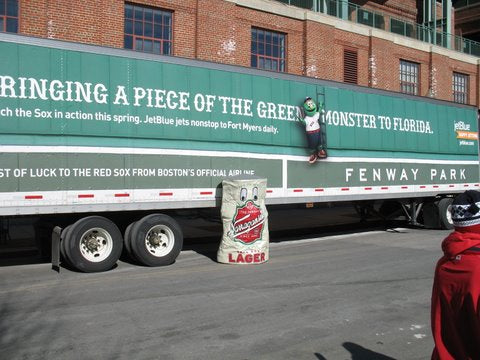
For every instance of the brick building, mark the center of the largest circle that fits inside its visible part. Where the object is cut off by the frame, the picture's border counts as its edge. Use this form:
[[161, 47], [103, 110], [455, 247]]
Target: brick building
[[369, 43]]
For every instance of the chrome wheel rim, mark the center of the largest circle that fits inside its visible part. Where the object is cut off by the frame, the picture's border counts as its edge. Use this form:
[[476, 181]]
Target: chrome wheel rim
[[159, 240], [96, 244]]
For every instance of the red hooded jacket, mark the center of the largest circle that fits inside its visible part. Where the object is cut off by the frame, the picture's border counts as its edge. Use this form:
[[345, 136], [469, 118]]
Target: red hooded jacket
[[456, 298]]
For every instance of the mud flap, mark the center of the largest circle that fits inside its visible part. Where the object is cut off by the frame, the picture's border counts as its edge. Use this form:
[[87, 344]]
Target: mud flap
[[56, 238]]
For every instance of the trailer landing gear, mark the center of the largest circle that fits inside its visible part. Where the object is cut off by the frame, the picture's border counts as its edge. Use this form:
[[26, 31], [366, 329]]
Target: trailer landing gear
[[431, 213]]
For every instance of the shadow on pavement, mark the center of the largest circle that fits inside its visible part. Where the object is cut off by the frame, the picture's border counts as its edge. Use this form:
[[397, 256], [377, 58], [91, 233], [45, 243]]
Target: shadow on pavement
[[359, 353]]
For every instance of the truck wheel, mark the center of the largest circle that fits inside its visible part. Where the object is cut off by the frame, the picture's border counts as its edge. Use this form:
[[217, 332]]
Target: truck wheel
[[445, 216], [127, 241], [156, 240], [93, 244]]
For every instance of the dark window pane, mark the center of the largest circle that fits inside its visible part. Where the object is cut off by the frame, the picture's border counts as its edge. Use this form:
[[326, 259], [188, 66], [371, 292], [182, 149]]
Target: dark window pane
[[147, 45], [138, 14], [261, 49], [268, 50], [157, 31], [254, 35], [166, 48], [138, 28], [2, 7], [157, 16], [261, 36], [156, 47], [166, 33], [148, 29], [274, 65], [254, 47], [379, 21], [254, 61], [129, 11], [268, 38], [275, 52], [275, 39], [138, 44], [397, 27], [149, 15], [409, 30], [128, 27], [168, 20], [12, 8], [128, 42], [306, 4], [2, 24], [12, 25]]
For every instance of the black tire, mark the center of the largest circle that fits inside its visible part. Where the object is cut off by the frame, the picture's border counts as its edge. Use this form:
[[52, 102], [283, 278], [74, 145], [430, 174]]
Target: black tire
[[444, 215], [93, 244], [127, 241], [63, 251], [156, 240]]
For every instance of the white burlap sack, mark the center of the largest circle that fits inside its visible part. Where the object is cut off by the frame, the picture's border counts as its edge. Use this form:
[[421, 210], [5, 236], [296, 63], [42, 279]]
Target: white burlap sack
[[245, 222]]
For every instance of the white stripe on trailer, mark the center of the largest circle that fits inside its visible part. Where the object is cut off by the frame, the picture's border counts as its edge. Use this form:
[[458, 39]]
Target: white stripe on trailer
[[228, 154], [146, 195]]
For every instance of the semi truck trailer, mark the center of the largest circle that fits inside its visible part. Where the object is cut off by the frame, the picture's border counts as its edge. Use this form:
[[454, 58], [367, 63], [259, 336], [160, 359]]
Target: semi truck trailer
[[106, 143]]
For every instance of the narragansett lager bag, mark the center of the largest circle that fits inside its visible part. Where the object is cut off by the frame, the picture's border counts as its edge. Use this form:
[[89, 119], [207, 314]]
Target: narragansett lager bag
[[245, 222]]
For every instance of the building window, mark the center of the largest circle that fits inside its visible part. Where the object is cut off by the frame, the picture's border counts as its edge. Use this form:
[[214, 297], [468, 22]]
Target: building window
[[350, 66], [9, 16], [148, 29], [460, 88], [268, 50], [409, 77]]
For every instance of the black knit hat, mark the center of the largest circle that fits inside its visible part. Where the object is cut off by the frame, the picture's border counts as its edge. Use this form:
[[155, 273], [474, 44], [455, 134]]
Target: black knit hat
[[466, 209]]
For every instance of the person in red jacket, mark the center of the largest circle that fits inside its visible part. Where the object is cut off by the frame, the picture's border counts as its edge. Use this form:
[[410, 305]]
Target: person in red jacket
[[455, 312]]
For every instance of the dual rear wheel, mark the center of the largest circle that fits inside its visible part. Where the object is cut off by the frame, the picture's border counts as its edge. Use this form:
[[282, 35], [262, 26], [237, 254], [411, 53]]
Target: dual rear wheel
[[155, 240], [94, 243]]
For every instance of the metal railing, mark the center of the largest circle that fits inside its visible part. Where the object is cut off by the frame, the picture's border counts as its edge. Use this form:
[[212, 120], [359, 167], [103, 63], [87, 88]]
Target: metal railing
[[355, 13]]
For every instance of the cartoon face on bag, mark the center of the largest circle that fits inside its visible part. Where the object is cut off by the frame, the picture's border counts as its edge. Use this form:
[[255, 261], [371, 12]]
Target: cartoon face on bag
[[244, 192]]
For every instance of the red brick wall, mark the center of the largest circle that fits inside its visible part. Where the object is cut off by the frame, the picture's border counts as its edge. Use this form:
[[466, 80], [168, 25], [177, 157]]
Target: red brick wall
[[93, 22], [220, 31], [320, 51]]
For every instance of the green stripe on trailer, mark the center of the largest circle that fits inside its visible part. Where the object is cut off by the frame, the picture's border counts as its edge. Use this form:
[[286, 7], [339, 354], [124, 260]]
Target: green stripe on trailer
[[22, 172], [381, 173], [50, 171]]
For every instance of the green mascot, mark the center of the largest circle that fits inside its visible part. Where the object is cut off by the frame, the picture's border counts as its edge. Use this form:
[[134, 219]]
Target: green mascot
[[313, 127]]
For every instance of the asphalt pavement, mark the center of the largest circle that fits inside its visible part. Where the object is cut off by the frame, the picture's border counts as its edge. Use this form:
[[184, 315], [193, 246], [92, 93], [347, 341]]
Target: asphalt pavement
[[352, 296]]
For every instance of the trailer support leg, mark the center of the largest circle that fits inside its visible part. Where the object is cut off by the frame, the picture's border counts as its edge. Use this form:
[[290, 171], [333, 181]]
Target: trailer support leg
[[56, 237], [412, 212]]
